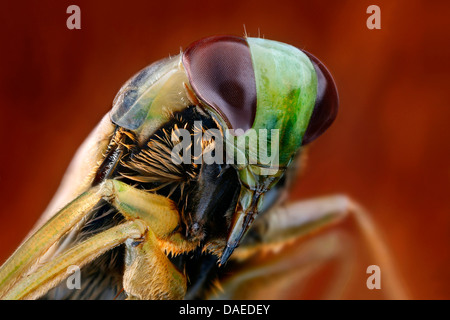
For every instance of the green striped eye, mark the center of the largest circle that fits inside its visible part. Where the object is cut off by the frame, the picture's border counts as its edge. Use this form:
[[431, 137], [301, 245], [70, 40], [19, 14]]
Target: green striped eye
[[264, 84]]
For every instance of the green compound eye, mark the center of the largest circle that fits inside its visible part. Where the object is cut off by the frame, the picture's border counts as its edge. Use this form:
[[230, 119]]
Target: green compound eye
[[263, 84]]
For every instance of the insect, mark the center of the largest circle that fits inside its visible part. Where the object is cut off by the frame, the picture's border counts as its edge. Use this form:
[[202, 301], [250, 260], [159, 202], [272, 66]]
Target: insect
[[153, 206]]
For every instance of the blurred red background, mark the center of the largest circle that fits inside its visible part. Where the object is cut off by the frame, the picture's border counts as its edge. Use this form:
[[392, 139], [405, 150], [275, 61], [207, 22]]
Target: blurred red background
[[388, 149]]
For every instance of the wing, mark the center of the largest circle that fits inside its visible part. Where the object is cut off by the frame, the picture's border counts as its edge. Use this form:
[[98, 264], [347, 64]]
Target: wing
[[82, 169]]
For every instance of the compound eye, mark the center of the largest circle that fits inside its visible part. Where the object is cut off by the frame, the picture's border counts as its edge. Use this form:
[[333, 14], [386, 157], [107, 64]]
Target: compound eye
[[220, 71], [327, 102]]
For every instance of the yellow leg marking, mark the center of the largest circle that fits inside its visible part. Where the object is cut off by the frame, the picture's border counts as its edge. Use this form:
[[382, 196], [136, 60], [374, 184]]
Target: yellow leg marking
[[158, 212], [45, 237], [150, 275], [54, 271]]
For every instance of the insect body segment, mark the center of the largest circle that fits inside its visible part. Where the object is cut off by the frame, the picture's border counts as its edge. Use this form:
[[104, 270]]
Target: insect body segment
[[182, 217]]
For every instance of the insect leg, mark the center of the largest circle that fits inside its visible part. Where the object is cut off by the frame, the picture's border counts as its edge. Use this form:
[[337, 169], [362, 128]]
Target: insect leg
[[149, 274], [158, 212], [286, 273], [299, 219], [38, 243], [53, 272]]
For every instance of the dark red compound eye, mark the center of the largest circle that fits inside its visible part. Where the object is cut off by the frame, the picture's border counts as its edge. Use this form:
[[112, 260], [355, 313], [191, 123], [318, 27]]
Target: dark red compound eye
[[327, 102], [220, 71]]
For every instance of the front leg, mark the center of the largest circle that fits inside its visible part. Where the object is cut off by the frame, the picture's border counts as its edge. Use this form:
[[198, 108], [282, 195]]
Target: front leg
[[51, 273], [289, 223], [17, 266], [151, 230], [149, 274]]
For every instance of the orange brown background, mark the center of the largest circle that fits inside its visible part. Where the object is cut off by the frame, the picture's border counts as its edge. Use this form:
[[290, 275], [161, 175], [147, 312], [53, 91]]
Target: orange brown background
[[389, 147]]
